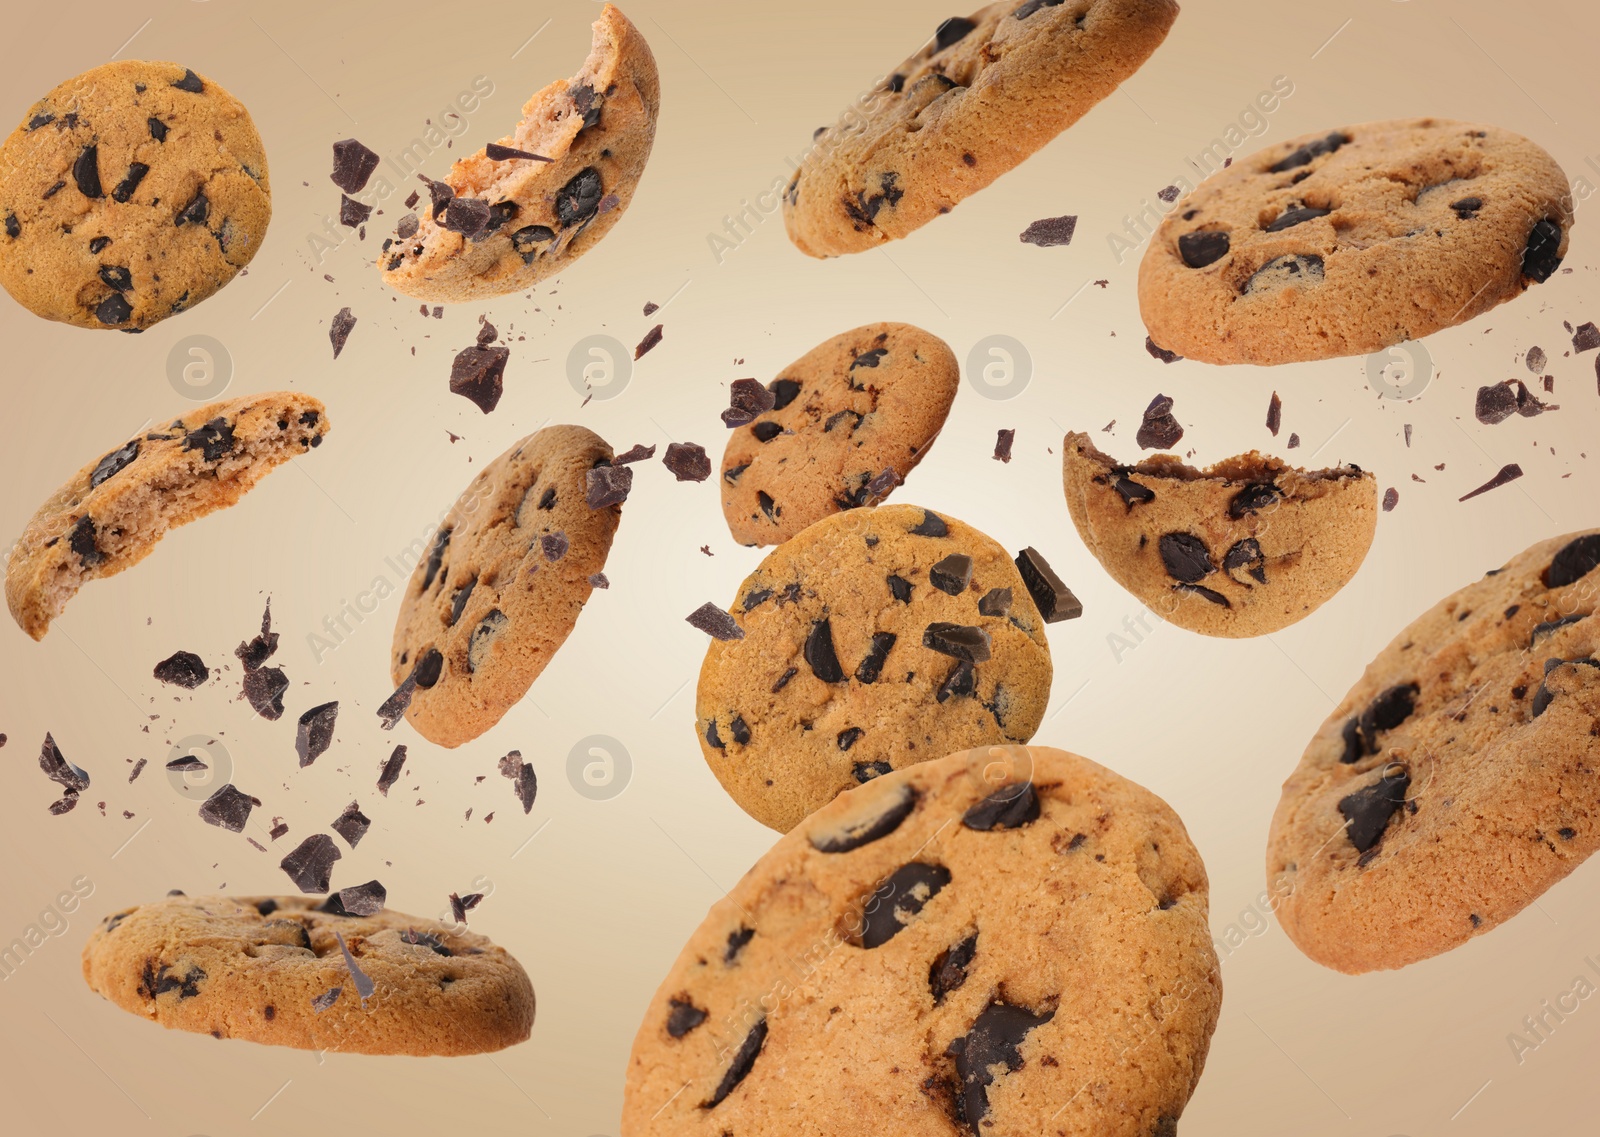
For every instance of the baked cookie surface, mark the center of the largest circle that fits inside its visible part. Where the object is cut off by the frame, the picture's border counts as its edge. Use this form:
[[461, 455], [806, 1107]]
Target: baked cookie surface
[[869, 400], [111, 514], [982, 96], [502, 583], [271, 970], [952, 948], [1456, 782], [1349, 241], [1246, 547], [502, 219], [877, 638], [130, 193]]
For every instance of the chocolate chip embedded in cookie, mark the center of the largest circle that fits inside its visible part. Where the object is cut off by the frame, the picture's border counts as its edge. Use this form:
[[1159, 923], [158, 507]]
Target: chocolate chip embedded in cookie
[[111, 514], [975, 102], [1244, 548], [1346, 242], [1455, 783], [312, 974], [846, 423], [526, 207], [961, 947], [500, 587], [130, 193], [877, 638]]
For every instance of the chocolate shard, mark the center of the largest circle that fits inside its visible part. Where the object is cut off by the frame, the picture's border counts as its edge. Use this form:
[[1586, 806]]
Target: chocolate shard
[[1368, 810], [860, 831], [58, 769], [898, 900], [931, 525], [314, 732], [264, 688], [1009, 807], [113, 464], [958, 641], [747, 401], [228, 808], [636, 453], [1274, 414], [715, 622], [872, 663], [1048, 232], [688, 461], [353, 164], [339, 329], [651, 339], [1160, 352], [607, 485], [390, 774], [182, 669], [1050, 593], [353, 213], [352, 824], [476, 374], [961, 682], [495, 152], [1159, 430], [952, 575], [254, 652], [363, 899], [522, 778], [461, 905], [738, 1070], [1132, 492], [1305, 155], [1508, 474], [468, 216]]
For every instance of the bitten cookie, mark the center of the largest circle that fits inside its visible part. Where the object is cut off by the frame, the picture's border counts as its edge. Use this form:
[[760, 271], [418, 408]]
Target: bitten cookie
[[949, 949], [850, 419], [272, 970], [1244, 548], [982, 96], [1457, 781], [529, 205], [1346, 242], [111, 514], [875, 639], [130, 193], [502, 584]]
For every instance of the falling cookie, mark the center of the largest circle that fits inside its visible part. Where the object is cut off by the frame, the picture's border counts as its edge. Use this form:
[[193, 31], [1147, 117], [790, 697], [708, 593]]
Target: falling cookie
[[502, 583], [877, 638], [1350, 241], [982, 96], [529, 205], [849, 420], [310, 973], [1456, 782], [130, 193], [1006, 940], [114, 510], [1244, 548]]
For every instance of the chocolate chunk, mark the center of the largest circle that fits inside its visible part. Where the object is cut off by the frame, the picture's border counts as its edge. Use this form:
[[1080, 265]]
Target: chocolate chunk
[[872, 663], [353, 164], [651, 338], [687, 461], [714, 622], [523, 778], [949, 969], [993, 1044], [190, 82], [1508, 473], [899, 900], [493, 622], [13, 226], [957, 641], [353, 213], [1368, 810], [880, 485], [1542, 256], [768, 506], [747, 400], [213, 440], [853, 835], [869, 358], [1544, 696], [784, 392], [187, 763], [130, 182], [1576, 560], [1387, 710], [526, 241], [1186, 557], [327, 999], [156, 981], [441, 544], [1467, 208], [819, 653], [113, 463], [1274, 414], [352, 824], [182, 669], [425, 939], [1304, 155], [744, 1061], [440, 195], [931, 525], [86, 171], [864, 772], [477, 373], [1009, 807], [1029, 7], [1160, 353], [468, 216], [495, 152], [314, 734], [83, 542], [1203, 247], [1253, 499], [579, 199], [683, 1016], [461, 905], [1050, 231], [1289, 218], [1293, 268], [1586, 338], [113, 310], [407, 226], [228, 808], [554, 546], [59, 770], [607, 485], [390, 773], [339, 330], [849, 736], [1204, 593], [1499, 402], [362, 899], [264, 688], [1246, 555], [952, 31], [1050, 593], [1159, 430], [1551, 627], [961, 682], [1132, 492], [158, 129], [952, 575], [1003, 441], [196, 212], [899, 588], [766, 431]]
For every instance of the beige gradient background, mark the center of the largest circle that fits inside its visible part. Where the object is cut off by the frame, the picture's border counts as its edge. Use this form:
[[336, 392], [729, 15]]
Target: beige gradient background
[[595, 896]]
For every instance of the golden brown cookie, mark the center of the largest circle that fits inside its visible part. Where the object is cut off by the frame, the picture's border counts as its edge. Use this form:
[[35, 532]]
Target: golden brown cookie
[[1244, 548], [130, 193], [849, 420], [112, 512], [1006, 940], [1457, 781], [529, 205], [273, 970], [1346, 242]]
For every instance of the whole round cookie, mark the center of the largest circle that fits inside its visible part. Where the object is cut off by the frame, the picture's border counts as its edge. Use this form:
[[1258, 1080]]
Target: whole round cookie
[[527, 206], [1005, 940], [1346, 242], [273, 970], [1456, 782], [1246, 547], [130, 193], [501, 585], [110, 515], [877, 638], [849, 420], [981, 97]]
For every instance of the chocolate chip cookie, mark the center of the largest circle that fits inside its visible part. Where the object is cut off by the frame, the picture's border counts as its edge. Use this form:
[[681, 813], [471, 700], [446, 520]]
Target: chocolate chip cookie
[[1349, 241], [130, 193], [849, 420], [1244, 548], [1456, 782], [307, 973], [501, 585], [525, 207], [1006, 940], [111, 513], [877, 638], [978, 99]]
